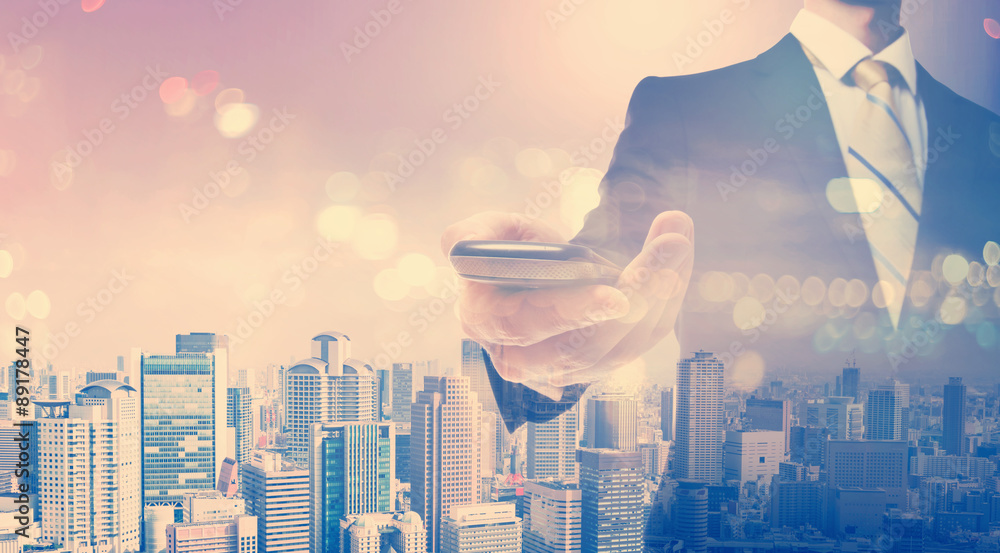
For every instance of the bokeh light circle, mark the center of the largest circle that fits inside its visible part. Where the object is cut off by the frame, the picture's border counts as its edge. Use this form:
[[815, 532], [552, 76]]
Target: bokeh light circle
[[953, 310], [204, 82], [91, 5], [337, 222], [342, 186], [38, 304], [991, 253], [416, 269], [992, 27], [15, 306], [172, 89], [813, 291], [375, 236], [390, 286], [716, 286], [236, 120], [6, 264], [955, 268], [228, 96], [748, 313], [533, 163]]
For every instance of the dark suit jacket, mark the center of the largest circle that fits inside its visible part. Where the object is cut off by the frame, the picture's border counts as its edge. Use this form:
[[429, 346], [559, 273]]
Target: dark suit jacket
[[748, 151]]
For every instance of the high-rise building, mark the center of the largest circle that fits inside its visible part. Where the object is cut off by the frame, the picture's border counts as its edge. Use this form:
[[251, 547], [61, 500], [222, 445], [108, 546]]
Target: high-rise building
[[58, 386], [552, 447], [886, 412], [238, 417], [383, 379], [183, 424], [953, 417], [211, 506], [667, 414], [841, 416], [277, 493], [752, 455], [229, 478], [654, 458], [553, 517], [402, 391], [699, 425], [474, 367], [691, 514], [234, 535], [612, 422], [797, 503], [329, 387], [351, 471], [481, 528], [400, 532], [402, 452], [95, 376], [770, 414], [90, 469], [488, 443], [444, 448], [869, 465], [612, 487], [851, 382]]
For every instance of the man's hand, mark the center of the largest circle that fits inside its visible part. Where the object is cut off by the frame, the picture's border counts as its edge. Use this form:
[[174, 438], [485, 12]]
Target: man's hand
[[555, 337]]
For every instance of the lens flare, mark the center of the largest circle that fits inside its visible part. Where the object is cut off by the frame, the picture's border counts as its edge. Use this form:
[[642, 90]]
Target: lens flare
[[375, 236], [38, 304], [416, 269], [236, 120], [15, 306], [228, 96], [172, 89], [6, 264], [91, 5], [204, 82], [955, 268], [337, 222], [992, 27], [342, 186]]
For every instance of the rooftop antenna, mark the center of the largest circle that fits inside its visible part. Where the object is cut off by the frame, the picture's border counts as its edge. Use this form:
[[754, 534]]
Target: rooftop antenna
[[852, 361]]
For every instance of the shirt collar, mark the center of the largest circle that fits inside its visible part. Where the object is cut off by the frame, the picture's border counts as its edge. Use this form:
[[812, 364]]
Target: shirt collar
[[839, 52]]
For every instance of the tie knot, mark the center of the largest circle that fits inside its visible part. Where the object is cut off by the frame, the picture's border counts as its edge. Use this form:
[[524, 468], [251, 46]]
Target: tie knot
[[869, 73]]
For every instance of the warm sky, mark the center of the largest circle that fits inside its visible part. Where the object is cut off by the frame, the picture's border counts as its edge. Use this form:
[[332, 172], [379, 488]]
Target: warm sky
[[549, 84]]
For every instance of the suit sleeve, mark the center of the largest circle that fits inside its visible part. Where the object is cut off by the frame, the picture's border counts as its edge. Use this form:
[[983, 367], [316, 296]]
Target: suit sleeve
[[647, 175]]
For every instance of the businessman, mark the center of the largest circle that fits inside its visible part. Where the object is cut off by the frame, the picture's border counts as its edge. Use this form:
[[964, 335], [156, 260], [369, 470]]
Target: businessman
[[844, 200]]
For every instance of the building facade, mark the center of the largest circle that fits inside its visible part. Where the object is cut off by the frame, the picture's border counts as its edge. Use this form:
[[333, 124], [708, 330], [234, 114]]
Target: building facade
[[277, 493], [481, 528], [699, 424], [612, 487], [552, 447]]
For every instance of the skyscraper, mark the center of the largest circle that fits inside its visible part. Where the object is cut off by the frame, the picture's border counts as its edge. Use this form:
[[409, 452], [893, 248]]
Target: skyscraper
[[691, 515], [869, 465], [474, 368], [667, 414], [183, 424], [351, 471], [90, 479], [770, 414], [841, 416], [481, 528], [851, 381], [553, 517], [444, 448], [699, 426], [233, 535], [612, 422], [953, 417], [328, 387], [402, 391], [399, 532], [552, 447], [751, 455], [277, 493], [885, 411], [238, 417], [612, 486]]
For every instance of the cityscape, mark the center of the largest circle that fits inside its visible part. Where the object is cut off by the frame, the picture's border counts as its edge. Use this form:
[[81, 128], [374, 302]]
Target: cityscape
[[182, 452]]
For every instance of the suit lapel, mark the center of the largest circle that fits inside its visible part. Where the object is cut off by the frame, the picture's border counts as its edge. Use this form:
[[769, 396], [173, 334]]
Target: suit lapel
[[787, 88]]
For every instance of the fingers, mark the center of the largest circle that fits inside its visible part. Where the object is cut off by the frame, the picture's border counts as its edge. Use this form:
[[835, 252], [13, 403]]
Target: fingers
[[497, 225], [526, 317]]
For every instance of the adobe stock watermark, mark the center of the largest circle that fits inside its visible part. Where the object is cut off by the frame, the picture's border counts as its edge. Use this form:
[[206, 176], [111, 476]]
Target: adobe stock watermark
[[582, 157], [225, 7], [87, 312], [247, 150], [368, 31], [323, 253], [562, 12], [33, 24], [700, 42], [454, 117], [122, 106]]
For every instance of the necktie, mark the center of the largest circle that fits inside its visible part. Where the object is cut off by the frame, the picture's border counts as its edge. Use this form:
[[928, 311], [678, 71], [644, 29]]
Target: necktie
[[880, 155]]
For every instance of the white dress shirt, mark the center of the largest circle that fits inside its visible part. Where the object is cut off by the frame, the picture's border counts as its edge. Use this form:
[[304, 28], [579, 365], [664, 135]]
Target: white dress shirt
[[839, 52]]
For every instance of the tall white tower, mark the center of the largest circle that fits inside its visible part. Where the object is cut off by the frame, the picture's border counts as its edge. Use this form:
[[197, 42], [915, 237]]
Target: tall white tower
[[699, 419]]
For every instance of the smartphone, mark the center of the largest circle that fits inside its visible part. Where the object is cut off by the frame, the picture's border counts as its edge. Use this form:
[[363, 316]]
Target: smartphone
[[531, 264]]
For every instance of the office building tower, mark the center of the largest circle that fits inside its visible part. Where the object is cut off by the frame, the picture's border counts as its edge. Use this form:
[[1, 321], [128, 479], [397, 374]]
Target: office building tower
[[886, 412], [699, 424], [749, 456], [183, 423], [906, 531], [856, 512], [350, 472], [398, 532], [277, 493], [58, 386], [95, 376], [488, 444], [211, 506], [798, 503], [841, 416], [402, 452], [474, 368], [234, 535], [953, 417], [851, 381], [770, 414], [808, 445], [203, 342], [553, 517], [229, 480], [238, 417], [481, 528], [612, 422], [690, 515], [155, 518], [384, 380], [869, 465], [612, 487], [667, 414], [121, 367], [329, 387], [552, 447], [444, 451], [654, 458], [82, 506], [402, 391]]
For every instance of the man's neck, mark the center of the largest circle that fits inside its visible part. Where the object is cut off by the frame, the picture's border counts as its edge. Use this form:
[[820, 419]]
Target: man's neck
[[873, 22]]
